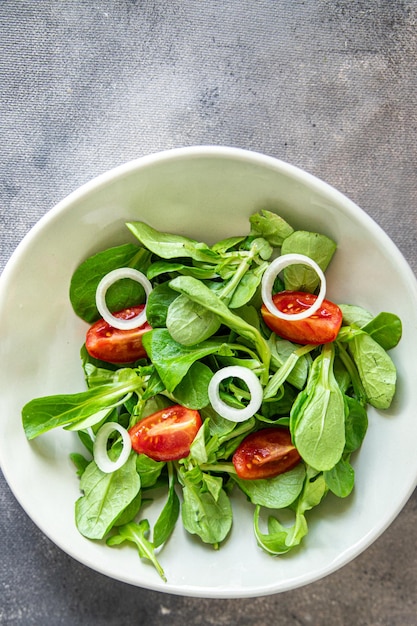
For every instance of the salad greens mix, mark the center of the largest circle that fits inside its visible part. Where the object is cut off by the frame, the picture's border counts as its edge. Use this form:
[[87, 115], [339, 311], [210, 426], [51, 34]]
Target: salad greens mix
[[205, 313]]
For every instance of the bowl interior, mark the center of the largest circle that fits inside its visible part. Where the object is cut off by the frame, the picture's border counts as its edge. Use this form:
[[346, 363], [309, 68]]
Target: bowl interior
[[208, 194]]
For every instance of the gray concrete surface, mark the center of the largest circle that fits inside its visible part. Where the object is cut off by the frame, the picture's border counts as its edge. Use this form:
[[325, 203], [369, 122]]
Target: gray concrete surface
[[327, 85]]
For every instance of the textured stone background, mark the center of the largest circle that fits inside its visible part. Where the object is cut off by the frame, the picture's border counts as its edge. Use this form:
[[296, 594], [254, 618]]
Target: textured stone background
[[328, 85]]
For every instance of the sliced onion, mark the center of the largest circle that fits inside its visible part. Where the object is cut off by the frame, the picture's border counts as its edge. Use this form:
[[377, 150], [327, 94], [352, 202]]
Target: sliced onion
[[101, 457], [253, 384], [272, 272], [103, 286]]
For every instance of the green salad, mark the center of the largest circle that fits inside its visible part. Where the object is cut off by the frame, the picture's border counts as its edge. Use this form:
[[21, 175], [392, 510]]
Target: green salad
[[211, 370]]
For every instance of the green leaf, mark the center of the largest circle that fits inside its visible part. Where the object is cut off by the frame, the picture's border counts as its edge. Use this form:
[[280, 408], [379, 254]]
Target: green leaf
[[317, 419], [385, 329], [80, 462], [376, 369], [314, 245], [354, 315], [201, 294], [43, 414], [120, 295], [158, 303], [271, 227], [274, 493], [204, 516], [172, 267], [173, 360], [192, 391], [190, 323], [105, 497], [148, 470], [138, 534], [168, 517], [356, 424], [341, 478], [171, 246]]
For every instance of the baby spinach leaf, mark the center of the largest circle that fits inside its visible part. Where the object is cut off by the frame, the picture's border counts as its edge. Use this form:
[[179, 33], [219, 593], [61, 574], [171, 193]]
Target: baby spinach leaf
[[173, 360], [341, 478], [317, 419], [354, 315], [224, 245], [246, 288], [314, 245], [138, 534], [376, 369], [271, 227], [189, 322], [192, 391], [158, 303], [292, 364], [274, 493], [43, 414], [105, 497], [131, 511], [80, 462], [204, 516], [148, 470], [201, 294], [385, 329], [172, 267], [120, 295], [356, 424], [280, 539], [170, 246], [167, 519]]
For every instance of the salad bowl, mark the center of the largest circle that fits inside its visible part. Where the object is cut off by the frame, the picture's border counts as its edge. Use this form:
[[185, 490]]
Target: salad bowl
[[208, 194]]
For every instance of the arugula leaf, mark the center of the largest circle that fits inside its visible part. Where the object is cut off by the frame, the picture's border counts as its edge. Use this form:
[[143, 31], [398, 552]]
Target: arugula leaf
[[138, 534]]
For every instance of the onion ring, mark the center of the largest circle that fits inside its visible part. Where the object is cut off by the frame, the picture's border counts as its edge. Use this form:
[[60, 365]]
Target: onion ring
[[254, 386], [272, 272], [100, 447], [103, 286]]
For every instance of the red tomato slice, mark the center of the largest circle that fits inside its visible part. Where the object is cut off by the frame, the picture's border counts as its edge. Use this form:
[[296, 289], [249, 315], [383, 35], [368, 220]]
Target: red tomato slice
[[117, 346], [166, 435], [321, 327], [265, 454]]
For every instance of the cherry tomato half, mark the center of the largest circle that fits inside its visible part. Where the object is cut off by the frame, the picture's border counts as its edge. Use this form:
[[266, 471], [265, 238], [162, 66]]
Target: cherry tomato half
[[321, 327], [265, 454], [167, 434], [117, 346]]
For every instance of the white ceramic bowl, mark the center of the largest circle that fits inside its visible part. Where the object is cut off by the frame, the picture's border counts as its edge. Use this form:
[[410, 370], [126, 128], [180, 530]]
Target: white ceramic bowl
[[206, 193]]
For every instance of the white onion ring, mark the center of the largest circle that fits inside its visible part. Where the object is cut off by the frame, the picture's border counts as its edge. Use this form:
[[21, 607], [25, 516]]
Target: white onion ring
[[272, 272], [103, 286], [100, 447], [254, 386]]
